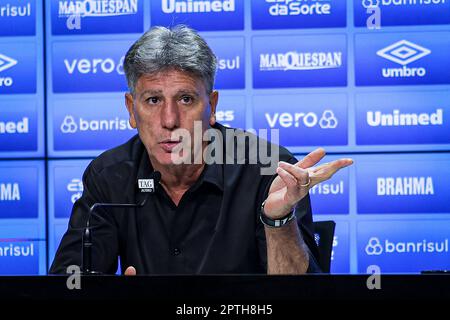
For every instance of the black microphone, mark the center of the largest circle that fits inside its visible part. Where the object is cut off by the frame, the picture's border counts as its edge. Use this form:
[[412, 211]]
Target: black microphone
[[145, 185]]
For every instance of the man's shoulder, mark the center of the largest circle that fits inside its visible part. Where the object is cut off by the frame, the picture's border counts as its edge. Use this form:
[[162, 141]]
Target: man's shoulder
[[127, 154]]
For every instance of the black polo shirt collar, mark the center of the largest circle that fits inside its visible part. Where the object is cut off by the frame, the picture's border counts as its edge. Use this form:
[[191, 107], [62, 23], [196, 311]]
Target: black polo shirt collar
[[212, 173]]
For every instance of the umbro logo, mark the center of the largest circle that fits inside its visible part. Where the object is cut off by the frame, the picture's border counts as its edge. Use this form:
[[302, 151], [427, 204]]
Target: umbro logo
[[6, 62], [403, 52]]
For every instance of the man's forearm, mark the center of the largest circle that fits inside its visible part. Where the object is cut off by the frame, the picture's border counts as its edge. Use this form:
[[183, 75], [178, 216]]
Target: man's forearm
[[286, 250]]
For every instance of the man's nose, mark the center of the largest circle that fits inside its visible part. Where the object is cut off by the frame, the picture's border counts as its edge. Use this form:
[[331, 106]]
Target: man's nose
[[170, 116]]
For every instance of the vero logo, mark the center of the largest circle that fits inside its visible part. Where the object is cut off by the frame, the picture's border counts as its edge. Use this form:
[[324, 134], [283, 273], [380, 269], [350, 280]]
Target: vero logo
[[403, 52]]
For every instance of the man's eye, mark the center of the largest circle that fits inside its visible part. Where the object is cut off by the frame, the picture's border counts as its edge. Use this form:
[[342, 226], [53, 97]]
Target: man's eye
[[186, 99], [152, 100]]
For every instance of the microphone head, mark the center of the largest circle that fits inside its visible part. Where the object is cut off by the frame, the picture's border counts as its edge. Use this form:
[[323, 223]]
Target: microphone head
[[156, 176]]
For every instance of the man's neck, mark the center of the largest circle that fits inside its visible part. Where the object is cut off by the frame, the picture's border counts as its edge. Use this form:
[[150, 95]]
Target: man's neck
[[177, 179]]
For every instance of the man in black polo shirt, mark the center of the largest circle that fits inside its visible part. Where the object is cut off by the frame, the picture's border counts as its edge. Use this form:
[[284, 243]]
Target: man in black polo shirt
[[223, 216]]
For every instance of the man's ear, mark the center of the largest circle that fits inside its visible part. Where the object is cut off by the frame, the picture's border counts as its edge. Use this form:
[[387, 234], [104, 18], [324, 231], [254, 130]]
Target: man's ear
[[213, 100], [129, 102]]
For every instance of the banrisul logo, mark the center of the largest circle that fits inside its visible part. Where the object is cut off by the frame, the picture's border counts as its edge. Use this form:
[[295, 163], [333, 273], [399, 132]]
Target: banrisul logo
[[332, 196], [74, 122], [402, 58], [404, 12], [202, 15], [377, 247], [403, 53], [230, 61], [280, 14], [403, 245], [71, 124], [96, 16], [299, 61], [89, 66], [17, 17]]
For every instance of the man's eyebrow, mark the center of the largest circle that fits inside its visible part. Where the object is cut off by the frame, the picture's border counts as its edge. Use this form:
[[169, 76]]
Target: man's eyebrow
[[150, 92], [190, 92]]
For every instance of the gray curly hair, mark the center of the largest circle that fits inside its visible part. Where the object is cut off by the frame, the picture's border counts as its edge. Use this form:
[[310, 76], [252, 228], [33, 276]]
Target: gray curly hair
[[161, 48]]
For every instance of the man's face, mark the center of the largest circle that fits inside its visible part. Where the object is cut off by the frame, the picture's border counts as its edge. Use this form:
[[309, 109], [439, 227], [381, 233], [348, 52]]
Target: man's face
[[167, 101]]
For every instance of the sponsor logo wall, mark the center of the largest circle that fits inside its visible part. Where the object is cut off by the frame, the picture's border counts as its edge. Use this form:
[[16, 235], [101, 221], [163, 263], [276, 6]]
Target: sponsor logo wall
[[22, 130], [312, 69]]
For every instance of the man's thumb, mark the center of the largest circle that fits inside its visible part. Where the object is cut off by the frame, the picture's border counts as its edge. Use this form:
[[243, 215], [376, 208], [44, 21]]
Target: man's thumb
[[131, 271]]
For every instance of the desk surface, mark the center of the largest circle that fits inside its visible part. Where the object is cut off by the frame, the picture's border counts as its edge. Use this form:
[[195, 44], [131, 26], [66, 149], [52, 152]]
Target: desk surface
[[217, 289]]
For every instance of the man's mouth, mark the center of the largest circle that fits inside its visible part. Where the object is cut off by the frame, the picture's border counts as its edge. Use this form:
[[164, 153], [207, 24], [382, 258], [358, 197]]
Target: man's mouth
[[168, 145]]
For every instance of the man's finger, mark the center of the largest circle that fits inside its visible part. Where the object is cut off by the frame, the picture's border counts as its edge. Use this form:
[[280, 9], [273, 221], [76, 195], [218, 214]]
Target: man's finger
[[288, 179], [311, 158], [299, 174], [130, 271]]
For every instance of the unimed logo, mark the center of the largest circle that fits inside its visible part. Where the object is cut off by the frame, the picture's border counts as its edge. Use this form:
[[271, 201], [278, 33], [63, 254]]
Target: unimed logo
[[377, 247], [15, 127], [197, 6], [398, 118]]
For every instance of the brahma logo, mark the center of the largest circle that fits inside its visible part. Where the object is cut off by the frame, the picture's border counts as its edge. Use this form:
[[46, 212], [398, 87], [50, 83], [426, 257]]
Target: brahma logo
[[286, 120], [396, 118], [97, 8], [293, 60], [405, 186], [6, 63], [377, 247], [70, 125], [403, 52], [9, 191]]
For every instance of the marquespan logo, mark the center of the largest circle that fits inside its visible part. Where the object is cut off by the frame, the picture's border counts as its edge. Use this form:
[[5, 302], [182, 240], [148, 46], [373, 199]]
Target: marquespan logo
[[97, 8], [299, 61], [403, 52]]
